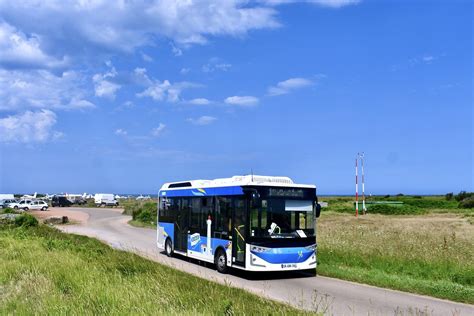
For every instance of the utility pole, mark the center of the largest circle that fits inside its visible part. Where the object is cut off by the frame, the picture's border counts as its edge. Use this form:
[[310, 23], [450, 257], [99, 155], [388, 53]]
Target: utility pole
[[357, 187], [364, 209], [360, 156]]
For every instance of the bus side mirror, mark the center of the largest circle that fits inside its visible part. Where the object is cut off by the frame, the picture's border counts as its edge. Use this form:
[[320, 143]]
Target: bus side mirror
[[318, 210], [256, 201]]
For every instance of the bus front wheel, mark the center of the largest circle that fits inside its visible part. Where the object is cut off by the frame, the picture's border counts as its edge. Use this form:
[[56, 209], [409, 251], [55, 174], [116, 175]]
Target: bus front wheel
[[221, 261], [168, 248]]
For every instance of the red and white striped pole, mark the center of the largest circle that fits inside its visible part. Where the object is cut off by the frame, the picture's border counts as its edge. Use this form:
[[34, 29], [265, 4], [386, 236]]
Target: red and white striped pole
[[357, 188], [364, 209]]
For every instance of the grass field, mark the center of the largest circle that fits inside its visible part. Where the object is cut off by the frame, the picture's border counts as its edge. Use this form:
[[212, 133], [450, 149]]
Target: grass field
[[424, 245], [48, 272], [412, 205], [428, 254]]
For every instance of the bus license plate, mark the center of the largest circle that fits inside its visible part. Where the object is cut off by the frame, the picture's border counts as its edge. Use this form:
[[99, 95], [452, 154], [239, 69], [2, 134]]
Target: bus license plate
[[288, 265]]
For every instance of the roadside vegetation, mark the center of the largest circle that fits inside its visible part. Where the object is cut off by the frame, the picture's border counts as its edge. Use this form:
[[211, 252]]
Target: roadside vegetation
[[143, 212], [47, 272], [404, 204]]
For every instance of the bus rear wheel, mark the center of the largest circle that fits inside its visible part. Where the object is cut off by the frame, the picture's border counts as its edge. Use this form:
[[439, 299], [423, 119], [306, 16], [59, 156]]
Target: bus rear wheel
[[168, 248], [221, 261]]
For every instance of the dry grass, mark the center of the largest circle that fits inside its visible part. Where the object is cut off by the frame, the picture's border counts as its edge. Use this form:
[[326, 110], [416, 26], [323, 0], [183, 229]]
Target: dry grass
[[430, 254]]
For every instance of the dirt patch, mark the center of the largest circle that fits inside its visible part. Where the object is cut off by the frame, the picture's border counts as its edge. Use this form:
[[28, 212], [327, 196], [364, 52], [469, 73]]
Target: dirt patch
[[75, 216]]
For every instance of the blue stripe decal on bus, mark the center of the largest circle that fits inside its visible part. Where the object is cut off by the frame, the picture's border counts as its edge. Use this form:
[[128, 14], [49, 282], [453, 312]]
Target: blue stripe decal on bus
[[168, 230], [236, 190]]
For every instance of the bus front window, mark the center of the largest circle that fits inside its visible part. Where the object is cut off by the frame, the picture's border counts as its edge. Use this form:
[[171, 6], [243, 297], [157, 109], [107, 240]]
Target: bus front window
[[282, 218]]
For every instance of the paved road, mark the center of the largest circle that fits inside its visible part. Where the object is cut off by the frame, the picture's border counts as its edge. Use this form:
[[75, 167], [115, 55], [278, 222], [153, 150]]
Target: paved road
[[332, 296]]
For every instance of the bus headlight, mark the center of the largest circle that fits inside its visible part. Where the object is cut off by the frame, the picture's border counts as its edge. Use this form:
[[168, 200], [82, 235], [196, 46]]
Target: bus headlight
[[259, 249], [310, 248]]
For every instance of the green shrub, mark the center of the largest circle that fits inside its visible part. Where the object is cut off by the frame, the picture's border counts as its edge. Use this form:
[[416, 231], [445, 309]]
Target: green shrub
[[146, 212], [429, 203], [145, 216], [463, 195], [8, 211], [26, 220], [467, 202], [449, 196], [394, 210]]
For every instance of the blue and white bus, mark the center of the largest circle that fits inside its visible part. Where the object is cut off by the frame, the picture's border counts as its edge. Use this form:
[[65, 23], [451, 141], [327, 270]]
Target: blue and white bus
[[254, 223]]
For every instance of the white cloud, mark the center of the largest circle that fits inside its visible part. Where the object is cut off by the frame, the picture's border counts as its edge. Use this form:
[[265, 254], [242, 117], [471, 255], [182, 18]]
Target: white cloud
[[324, 3], [20, 51], [215, 64], [242, 100], [103, 84], [287, 86], [184, 71], [29, 127], [428, 59], [161, 90], [176, 51], [199, 101], [121, 132], [146, 57], [158, 131], [140, 77], [126, 25], [41, 89], [203, 120]]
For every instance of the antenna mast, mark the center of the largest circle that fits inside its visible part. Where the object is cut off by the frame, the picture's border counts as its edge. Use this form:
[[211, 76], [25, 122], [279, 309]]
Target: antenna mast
[[357, 187]]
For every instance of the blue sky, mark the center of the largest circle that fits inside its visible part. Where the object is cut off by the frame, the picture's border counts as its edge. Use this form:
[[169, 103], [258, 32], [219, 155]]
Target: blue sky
[[123, 97]]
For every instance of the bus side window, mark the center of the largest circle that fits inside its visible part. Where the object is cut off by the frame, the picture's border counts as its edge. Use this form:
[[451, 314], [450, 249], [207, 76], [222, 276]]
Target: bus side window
[[221, 218], [196, 218]]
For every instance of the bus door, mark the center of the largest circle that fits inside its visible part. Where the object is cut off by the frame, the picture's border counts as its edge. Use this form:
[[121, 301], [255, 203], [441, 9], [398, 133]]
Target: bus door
[[239, 227], [182, 225]]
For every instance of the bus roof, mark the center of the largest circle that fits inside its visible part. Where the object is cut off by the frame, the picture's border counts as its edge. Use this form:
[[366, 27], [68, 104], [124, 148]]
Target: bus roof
[[235, 181]]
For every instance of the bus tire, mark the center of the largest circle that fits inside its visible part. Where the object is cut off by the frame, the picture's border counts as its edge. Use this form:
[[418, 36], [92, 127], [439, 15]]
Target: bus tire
[[221, 261], [168, 247]]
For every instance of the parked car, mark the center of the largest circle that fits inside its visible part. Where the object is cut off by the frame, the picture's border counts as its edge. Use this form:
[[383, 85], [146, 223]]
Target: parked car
[[18, 204], [29, 205], [104, 199], [4, 203], [59, 200], [36, 205], [78, 200]]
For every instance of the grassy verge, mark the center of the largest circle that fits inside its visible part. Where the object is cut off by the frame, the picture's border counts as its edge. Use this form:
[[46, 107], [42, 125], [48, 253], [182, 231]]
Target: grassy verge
[[48, 272], [430, 254], [141, 224]]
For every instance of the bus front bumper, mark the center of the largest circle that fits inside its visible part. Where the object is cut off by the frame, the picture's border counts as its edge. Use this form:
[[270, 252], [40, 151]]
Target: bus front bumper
[[281, 259]]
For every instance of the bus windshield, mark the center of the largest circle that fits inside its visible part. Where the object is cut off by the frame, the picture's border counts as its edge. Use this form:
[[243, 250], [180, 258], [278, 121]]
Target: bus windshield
[[282, 214]]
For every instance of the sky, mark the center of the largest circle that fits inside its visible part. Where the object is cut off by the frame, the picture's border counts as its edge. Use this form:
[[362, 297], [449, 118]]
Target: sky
[[120, 97]]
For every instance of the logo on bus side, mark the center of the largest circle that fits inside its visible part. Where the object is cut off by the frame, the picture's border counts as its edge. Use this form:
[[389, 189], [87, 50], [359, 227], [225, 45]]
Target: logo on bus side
[[200, 192], [194, 239]]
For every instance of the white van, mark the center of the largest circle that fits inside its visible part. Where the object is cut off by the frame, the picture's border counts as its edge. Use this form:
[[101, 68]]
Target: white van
[[4, 196], [105, 199]]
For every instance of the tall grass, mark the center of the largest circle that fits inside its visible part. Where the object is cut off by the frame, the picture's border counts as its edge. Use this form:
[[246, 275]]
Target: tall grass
[[431, 254], [48, 272], [411, 205]]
